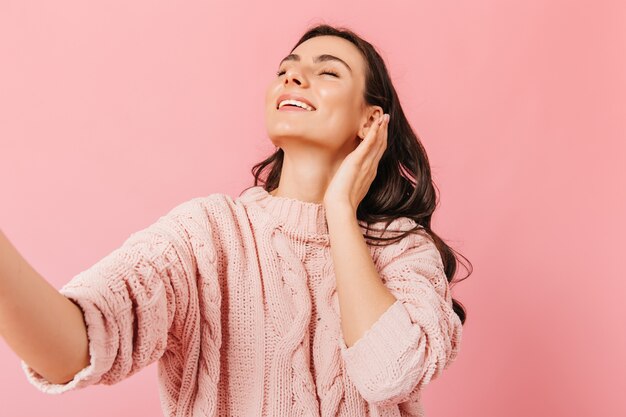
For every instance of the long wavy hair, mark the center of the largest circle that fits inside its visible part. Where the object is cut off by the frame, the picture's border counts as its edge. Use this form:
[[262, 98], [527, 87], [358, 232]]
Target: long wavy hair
[[403, 186]]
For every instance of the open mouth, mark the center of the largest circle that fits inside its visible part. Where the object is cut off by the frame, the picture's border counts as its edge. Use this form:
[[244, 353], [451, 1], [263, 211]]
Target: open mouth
[[291, 107], [294, 104]]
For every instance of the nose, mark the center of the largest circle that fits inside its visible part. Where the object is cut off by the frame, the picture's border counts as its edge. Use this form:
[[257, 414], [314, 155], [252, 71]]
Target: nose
[[293, 76]]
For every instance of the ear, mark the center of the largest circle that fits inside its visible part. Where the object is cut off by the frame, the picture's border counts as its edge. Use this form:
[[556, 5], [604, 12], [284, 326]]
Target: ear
[[371, 115]]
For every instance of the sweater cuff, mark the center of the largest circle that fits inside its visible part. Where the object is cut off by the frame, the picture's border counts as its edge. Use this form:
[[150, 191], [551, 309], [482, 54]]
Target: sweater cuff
[[375, 362], [101, 357]]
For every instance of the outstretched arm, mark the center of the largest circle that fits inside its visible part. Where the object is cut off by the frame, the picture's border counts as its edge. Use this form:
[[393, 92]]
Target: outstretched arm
[[130, 303], [41, 326]]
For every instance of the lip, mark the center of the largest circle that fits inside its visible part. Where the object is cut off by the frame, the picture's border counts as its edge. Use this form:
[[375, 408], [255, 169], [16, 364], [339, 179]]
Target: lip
[[288, 96]]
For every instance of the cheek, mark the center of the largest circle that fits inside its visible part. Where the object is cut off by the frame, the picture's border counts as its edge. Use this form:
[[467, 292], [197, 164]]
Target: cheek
[[334, 97], [342, 108], [339, 124], [341, 100]]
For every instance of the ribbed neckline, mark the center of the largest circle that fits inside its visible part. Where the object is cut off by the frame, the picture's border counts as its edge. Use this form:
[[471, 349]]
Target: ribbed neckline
[[299, 218]]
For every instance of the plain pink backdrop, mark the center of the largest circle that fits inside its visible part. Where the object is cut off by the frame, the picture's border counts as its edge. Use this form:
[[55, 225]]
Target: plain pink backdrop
[[112, 113]]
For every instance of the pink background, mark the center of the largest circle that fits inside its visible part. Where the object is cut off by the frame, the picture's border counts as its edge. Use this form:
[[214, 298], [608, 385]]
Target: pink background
[[112, 113]]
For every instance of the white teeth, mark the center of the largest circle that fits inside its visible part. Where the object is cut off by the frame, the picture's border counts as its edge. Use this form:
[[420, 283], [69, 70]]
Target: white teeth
[[297, 103]]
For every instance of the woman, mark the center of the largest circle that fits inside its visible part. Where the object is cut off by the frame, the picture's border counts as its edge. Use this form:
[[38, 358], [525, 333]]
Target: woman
[[322, 293]]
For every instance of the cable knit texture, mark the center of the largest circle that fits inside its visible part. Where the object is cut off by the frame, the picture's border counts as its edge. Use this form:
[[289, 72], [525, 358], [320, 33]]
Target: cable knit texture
[[235, 300]]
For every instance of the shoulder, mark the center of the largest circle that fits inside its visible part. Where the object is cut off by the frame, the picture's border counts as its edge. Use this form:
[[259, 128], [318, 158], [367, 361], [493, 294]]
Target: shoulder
[[203, 220], [416, 243], [205, 207], [198, 218], [399, 226]]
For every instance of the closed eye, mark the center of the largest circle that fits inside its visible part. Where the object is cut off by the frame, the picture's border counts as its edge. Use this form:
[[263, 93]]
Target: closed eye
[[330, 72]]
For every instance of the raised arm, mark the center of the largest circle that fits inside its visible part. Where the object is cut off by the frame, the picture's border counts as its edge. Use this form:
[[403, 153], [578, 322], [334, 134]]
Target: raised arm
[[418, 337], [43, 327]]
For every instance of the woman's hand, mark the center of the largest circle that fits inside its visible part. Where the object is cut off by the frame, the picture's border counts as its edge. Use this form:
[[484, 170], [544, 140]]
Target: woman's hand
[[358, 170]]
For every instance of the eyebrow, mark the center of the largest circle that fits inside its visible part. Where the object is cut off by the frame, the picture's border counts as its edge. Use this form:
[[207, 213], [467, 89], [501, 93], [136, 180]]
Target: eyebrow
[[319, 58]]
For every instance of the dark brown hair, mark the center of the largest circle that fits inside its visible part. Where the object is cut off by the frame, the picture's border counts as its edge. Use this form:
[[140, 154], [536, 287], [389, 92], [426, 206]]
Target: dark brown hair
[[403, 186]]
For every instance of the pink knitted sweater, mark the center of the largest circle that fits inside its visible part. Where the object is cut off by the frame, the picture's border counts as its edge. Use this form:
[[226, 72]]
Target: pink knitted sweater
[[236, 300]]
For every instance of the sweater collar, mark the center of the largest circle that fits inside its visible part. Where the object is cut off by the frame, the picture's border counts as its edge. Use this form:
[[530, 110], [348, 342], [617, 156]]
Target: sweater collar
[[298, 217]]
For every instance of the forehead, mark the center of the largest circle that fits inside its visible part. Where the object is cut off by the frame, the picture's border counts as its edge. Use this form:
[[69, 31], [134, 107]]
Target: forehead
[[332, 45]]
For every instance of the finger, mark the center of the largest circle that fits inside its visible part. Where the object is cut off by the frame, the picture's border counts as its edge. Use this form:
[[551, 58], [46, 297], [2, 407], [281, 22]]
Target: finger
[[381, 143], [368, 145], [373, 132]]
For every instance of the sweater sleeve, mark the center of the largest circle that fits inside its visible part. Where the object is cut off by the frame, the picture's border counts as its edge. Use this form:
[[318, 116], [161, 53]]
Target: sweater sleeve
[[129, 301], [417, 337]]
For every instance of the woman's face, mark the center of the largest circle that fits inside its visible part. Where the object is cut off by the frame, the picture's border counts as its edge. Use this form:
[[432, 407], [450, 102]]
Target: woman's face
[[339, 114]]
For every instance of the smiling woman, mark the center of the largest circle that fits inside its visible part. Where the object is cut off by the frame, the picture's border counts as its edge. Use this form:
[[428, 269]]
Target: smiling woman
[[323, 292], [344, 84], [345, 80]]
